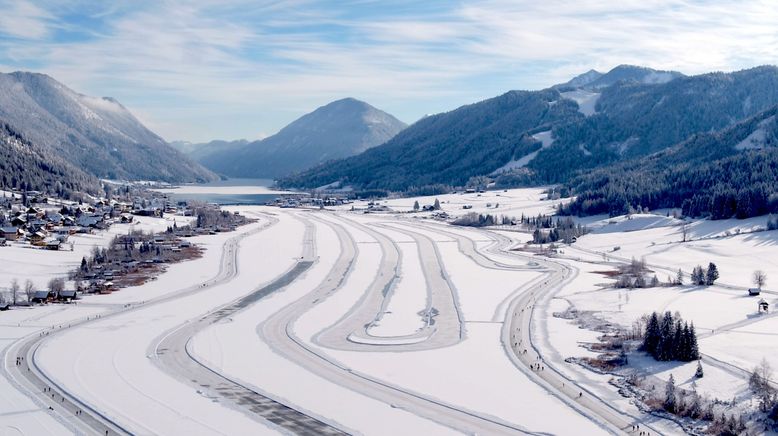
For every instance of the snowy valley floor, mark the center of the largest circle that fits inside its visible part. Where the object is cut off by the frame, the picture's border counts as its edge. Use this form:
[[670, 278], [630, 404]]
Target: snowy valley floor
[[390, 323]]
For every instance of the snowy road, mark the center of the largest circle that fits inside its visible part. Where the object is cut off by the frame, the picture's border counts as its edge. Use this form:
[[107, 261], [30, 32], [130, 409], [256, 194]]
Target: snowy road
[[276, 342], [174, 358], [442, 320], [118, 339], [279, 333], [517, 336], [69, 407]]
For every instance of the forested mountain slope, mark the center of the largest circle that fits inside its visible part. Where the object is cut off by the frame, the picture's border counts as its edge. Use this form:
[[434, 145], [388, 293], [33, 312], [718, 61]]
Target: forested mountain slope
[[450, 147], [24, 165], [637, 119], [647, 112], [98, 135], [721, 175]]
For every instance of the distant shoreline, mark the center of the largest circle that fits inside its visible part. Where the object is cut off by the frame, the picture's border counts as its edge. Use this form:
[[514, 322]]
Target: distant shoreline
[[226, 187], [224, 190]]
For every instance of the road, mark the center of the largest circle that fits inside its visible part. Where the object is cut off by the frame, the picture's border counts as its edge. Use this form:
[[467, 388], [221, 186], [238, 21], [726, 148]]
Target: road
[[517, 339], [278, 332], [443, 323], [173, 356], [29, 377]]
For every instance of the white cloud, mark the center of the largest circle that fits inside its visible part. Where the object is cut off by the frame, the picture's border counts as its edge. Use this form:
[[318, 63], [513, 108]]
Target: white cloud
[[22, 19], [211, 68]]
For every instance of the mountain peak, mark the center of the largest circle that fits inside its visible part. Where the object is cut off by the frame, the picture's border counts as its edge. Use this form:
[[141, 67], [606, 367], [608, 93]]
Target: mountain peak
[[336, 130], [348, 103], [594, 80], [347, 100], [581, 80]]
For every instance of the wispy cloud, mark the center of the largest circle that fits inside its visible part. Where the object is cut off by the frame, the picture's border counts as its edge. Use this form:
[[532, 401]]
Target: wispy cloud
[[22, 19], [205, 69]]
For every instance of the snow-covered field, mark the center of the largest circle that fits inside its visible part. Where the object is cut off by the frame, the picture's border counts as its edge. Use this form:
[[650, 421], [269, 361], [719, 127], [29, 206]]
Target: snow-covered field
[[511, 202], [451, 367], [734, 338]]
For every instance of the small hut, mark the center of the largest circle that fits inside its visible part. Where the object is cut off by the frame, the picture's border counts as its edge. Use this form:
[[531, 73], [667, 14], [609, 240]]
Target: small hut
[[763, 306]]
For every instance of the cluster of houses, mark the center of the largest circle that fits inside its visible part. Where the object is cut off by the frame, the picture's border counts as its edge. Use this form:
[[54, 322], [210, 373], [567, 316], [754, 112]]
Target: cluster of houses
[[63, 296], [47, 223], [36, 220], [50, 227], [306, 200], [130, 258]]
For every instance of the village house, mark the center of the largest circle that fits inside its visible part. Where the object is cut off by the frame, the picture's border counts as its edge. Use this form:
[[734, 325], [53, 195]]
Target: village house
[[19, 221], [38, 237], [67, 296], [42, 297], [55, 218], [10, 233]]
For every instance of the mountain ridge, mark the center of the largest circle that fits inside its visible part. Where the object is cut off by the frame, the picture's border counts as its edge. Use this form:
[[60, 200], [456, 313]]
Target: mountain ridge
[[594, 80], [97, 134], [631, 119], [720, 174], [338, 129]]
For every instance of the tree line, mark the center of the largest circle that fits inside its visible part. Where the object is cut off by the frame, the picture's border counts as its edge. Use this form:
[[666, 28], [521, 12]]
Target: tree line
[[670, 338], [705, 277], [704, 176]]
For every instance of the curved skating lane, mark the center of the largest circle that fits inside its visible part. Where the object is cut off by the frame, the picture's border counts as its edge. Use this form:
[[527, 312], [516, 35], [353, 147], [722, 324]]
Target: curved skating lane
[[89, 357], [443, 323], [173, 356], [279, 333]]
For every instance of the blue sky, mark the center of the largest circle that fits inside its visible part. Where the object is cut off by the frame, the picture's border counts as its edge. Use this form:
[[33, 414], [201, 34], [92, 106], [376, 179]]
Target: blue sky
[[208, 69]]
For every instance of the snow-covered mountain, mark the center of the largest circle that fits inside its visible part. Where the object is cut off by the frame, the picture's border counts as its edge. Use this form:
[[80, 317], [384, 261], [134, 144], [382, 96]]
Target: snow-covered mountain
[[581, 80], [635, 116], [340, 129], [595, 80], [96, 134], [200, 150], [24, 165]]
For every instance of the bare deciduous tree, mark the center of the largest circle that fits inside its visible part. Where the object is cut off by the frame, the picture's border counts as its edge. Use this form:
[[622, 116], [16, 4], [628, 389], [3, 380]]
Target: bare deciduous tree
[[761, 383], [29, 290], [57, 285], [759, 278], [14, 290]]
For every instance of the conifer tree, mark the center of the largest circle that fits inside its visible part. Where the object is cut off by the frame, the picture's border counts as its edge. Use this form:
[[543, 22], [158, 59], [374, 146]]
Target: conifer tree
[[676, 344], [670, 338], [665, 338], [698, 275], [669, 403], [651, 338], [694, 351], [684, 347], [712, 274]]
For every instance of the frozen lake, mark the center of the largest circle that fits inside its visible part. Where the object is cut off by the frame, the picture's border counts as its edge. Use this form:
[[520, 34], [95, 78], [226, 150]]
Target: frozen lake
[[227, 192]]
